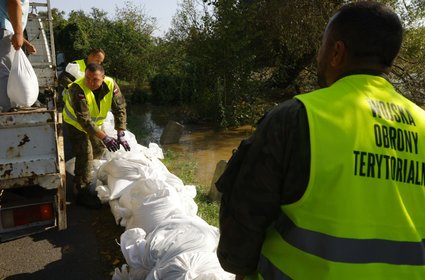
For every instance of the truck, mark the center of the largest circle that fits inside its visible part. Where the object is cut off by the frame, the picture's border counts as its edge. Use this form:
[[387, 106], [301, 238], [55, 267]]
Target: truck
[[32, 162]]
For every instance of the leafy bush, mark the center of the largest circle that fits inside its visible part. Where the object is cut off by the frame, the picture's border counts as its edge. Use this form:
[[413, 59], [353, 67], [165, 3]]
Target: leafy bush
[[165, 89]]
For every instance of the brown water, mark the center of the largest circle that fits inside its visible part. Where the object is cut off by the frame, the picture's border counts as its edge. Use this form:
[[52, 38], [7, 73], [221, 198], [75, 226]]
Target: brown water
[[201, 144], [207, 147]]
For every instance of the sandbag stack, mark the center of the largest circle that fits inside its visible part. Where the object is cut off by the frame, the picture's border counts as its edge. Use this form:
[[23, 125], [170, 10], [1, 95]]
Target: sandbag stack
[[164, 237]]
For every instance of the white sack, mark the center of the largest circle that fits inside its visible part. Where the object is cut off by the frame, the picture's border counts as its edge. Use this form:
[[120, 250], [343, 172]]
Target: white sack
[[22, 84], [191, 266], [103, 193], [132, 244], [123, 169], [74, 70], [156, 151], [126, 273], [150, 211], [176, 235], [70, 166], [117, 186], [121, 215]]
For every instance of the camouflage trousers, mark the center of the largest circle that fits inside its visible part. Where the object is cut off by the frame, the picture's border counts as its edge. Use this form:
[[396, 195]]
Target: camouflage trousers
[[85, 149]]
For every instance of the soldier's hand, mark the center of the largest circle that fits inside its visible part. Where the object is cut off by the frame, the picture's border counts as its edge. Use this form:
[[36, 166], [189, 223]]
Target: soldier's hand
[[111, 143], [123, 141]]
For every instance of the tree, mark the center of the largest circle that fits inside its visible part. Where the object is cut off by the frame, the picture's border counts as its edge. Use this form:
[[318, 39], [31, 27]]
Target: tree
[[127, 40], [128, 43]]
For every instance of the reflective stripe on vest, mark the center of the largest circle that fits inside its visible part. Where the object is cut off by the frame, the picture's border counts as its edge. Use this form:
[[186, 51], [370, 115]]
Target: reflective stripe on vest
[[362, 215], [98, 115], [351, 250], [293, 255], [269, 271], [72, 117]]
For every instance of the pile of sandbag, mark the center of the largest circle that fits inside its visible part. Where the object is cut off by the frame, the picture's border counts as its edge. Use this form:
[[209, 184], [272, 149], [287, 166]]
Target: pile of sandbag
[[164, 237]]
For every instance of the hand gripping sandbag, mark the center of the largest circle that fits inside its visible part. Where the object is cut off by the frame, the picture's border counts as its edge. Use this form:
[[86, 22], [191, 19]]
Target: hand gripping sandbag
[[22, 85]]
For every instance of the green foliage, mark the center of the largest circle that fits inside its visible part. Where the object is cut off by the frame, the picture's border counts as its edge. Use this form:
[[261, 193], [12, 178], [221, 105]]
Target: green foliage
[[126, 40], [139, 96], [225, 60], [137, 125], [409, 71], [244, 52], [166, 89], [73, 41]]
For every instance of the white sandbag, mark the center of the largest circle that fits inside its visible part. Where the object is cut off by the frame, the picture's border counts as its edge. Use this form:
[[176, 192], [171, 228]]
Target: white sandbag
[[22, 84], [190, 191], [127, 273], [147, 186], [150, 211], [171, 180], [70, 166], [121, 214], [153, 180], [158, 179], [123, 169], [103, 193], [117, 186], [136, 156], [189, 206], [132, 244], [97, 164], [190, 266], [74, 70], [126, 197], [176, 235], [156, 150]]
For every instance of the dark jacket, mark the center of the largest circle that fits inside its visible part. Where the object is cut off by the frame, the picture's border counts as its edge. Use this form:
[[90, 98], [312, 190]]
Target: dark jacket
[[274, 171]]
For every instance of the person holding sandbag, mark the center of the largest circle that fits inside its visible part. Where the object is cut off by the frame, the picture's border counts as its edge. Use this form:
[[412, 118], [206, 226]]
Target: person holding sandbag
[[13, 19]]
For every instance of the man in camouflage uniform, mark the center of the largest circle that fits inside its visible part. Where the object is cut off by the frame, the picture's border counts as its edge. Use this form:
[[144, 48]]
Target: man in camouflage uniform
[[95, 55], [76, 69], [86, 107]]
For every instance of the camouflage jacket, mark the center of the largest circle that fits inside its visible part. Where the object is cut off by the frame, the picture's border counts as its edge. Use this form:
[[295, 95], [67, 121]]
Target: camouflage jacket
[[81, 108]]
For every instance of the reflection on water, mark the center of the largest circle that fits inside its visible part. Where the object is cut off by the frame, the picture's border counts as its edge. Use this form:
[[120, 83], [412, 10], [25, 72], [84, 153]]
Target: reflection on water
[[207, 147], [203, 145]]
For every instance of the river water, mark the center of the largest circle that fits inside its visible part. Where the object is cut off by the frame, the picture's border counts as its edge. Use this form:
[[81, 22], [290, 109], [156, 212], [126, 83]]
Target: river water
[[201, 144]]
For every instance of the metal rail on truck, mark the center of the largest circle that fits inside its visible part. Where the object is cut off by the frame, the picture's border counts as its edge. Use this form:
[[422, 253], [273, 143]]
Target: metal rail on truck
[[32, 161]]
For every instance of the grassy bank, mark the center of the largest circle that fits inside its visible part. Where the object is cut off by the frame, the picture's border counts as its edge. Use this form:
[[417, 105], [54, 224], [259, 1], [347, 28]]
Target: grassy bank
[[183, 167]]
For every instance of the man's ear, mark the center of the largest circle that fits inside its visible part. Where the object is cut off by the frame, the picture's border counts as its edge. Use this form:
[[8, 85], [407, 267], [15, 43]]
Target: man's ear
[[339, 54]]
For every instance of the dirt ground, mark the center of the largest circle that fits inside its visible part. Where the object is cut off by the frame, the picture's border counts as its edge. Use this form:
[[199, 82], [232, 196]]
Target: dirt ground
[[108, 237]]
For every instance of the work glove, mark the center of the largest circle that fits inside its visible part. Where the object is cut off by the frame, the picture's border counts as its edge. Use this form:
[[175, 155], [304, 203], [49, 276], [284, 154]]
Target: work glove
[[122, 141], [111, 143]]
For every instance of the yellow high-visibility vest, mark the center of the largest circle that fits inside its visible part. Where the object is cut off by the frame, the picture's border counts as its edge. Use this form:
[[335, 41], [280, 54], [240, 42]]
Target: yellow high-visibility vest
[[363, 213], [82, 64], [81, 69], [97, 114]]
